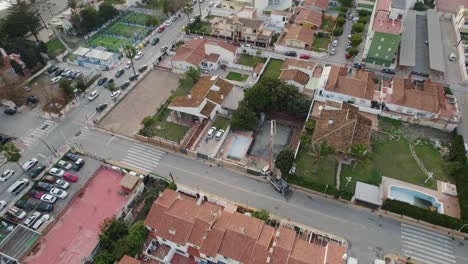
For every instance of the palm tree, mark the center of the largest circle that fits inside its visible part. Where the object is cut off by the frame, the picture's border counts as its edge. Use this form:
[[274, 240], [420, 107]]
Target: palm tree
[[322, 150], [188, 9], [130, 52], [12, 153], [359, 152]]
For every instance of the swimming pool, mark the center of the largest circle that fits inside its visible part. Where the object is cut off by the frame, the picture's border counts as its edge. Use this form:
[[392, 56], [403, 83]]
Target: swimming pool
[[239, 146], [415, 198]]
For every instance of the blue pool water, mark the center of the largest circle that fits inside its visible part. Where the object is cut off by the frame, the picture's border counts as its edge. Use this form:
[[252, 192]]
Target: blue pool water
[[415, 198], [239, 146]]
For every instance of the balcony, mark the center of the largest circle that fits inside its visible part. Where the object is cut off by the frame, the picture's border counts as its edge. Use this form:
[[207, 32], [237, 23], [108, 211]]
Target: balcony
[[159, 252]]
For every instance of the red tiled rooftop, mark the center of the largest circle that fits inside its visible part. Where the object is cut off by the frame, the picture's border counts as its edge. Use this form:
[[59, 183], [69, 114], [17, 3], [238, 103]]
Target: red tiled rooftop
[[211, 244], [382, 22], [237, 246], [285, 238], [129, 260], [307, 253]]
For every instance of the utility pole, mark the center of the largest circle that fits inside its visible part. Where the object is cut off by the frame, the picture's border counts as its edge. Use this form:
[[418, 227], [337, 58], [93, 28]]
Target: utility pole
[[272, 133]]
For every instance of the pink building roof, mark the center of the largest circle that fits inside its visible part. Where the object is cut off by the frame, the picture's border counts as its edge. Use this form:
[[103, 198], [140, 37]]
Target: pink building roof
[[382, 21]]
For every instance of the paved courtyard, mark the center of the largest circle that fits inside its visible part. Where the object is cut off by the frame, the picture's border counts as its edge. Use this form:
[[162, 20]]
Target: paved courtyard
[[144, 100]]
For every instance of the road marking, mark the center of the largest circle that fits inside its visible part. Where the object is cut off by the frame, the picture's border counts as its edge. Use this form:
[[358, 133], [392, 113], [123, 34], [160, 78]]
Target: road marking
[[110, 140]]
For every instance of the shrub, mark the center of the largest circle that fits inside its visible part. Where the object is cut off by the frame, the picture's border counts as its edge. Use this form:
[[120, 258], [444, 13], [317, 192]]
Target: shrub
[[338, 31], [262, 215], [357, 28], [363, 13], [340, 21]]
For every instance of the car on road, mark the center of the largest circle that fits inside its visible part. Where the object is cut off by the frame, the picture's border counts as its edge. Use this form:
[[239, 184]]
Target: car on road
[[79, 162], [52, 69], [142, 68], [29, 164], [35, 194], [40, 222], [211, 133], [291, 53], [128, 64], [62, 184], [388, 71], [57, 172], [48, 198], [119, 73], [115, 94], [101, 108], [56, 79], [102, 81], [10, 111], [32, 219], [44, 207], [4, 138], [65, 165], [25, 205], [358, 65], [452, 57], [69, 177], [59, 193], [36, 171], [93, 95], [304, 56], [133, 77], [211, 4], [332, 51], [164, 48], [335, 43], [154, 41], [32, 100], [124, 85], [3, 204], [161, 29], [139, 55], [6, 174]]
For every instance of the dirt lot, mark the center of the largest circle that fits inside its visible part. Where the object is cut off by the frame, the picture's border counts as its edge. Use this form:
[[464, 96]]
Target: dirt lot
[[144, 100]]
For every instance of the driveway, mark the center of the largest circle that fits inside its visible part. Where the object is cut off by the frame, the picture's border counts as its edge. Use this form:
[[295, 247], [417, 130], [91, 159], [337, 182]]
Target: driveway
[[142, 101]]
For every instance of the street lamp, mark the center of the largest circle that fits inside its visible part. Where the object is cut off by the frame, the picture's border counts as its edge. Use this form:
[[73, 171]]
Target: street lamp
[[348, 180], [459, 230], [429, 176]]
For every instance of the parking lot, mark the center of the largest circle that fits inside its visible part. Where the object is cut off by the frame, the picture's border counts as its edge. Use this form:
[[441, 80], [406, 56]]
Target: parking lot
[[144, 100]]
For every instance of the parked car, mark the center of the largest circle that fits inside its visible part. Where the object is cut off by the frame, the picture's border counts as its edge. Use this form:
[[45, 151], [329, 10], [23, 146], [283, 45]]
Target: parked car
[[133, 77], [219, 134], [102, 81], [332, 51], [29, 164], [154, 41], [52, 69], [23, 204], [17, 213], [110, 81], [125, 85], [10, 111], [62, 184], [44, 186], [36, 171], [44, 207], [128, 64], [3, 204], [59, 72], [161, 29], [335, 43], [115, 94], [49, 179], [93, 95], [49, 198], [6, 174], [452, 57], [101, 108], [35, 194], [40, 222], [64, 165], [304, 56], [69, 177], [211, 133], [139, 55], [211, 4], [119, 73], [164, 48], [56, 79], [388, 71], [291, 53], [79, 162], [57, 172], [4, 138], [32, 100], [142, 68], [59, 193]]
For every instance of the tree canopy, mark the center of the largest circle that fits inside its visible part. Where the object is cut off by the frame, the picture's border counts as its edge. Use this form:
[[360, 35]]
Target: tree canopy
[[284, 161], [243, 118]]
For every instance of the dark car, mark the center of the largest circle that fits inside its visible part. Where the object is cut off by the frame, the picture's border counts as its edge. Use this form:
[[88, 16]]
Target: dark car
[[32, 100], [36, 194], [154, 41], [71, 156], [142, 68], [124, 85], [102, 81], [23, 204], [52, 69], [44, 186], [119, 73], [4, 138], [110, 81], [101, 108], [291, 53], [133, 77], [388, 71], [10, 111], [59, 72], [358, 65], [44, 207], [36, 171]]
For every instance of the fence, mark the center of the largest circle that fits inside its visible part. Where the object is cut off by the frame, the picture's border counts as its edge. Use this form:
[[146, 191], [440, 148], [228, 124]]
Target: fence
[[158, 142]]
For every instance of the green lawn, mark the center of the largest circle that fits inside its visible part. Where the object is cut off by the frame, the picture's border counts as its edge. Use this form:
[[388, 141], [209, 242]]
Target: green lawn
[[235, 76], [394, 160], [320, 43], [170, 131], [127, 31], [249, 60], [136, 18], [383, 48], [273, 68], [110, 42], [327, 24], [323, 171], [201, 27], [55, 47], [366, 6], [221, 122], [433, 162]]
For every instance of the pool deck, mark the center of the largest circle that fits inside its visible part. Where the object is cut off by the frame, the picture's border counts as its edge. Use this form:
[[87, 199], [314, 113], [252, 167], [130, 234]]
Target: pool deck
[[226, 147], [451, 206]]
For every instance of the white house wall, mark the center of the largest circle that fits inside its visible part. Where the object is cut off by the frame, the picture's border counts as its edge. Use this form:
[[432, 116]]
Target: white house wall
[[343, 97], [225, 56], [182, 65], [190, 110]]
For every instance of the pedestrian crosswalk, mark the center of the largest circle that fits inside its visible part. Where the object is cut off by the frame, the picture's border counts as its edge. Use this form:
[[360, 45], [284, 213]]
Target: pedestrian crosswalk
[[426, 246], [40, 131], [83, 115], [143, 157]]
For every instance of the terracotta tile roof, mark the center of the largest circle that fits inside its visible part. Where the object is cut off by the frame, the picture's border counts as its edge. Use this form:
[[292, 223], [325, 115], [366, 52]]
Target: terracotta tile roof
[[193, 52], [250, 226], [128, 260], [153, 216], [199, 232], [290, 63], [266, 237], [307, 253], [201, 90], [322, 4], [285, 238], [279, 256], [311, 16], [237, 246], [259, 255], [213, 57], [428, 96], [259, 68], [223, 221], [208, 109], [300, 33], [342, 128], [294, 75], [335, 253], [251, 23], [226, 46], [211, 244], [358, 84], [281, 13], [193, 252], [174, 229], [167, 198]]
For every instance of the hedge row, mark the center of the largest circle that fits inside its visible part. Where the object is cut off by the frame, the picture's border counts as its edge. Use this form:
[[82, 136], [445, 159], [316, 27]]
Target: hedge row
[[422, 214], [459, 171], [330, 190]]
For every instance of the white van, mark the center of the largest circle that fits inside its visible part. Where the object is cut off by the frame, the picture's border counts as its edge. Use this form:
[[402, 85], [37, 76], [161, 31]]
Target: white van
[[41, 221], [18, 186]]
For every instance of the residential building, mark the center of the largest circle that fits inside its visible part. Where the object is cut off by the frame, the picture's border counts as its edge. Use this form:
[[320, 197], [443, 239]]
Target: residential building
[[309, 18], [128, 260], [303, 74], [280, 16], [242, 29], [7, 73], [320, 5], [267, 5], [297, 37], [450, 6], [203, 53], [306, 66], [209, 230], [342, 127], [95, 58], [247, 12], [204, 100], [460, 24], [61, 22], [295, 77]]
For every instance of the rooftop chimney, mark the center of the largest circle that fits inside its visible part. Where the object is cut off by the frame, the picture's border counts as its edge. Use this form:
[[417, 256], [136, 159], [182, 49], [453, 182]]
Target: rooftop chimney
[[330, 122], [242, 230], [172, 231]]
